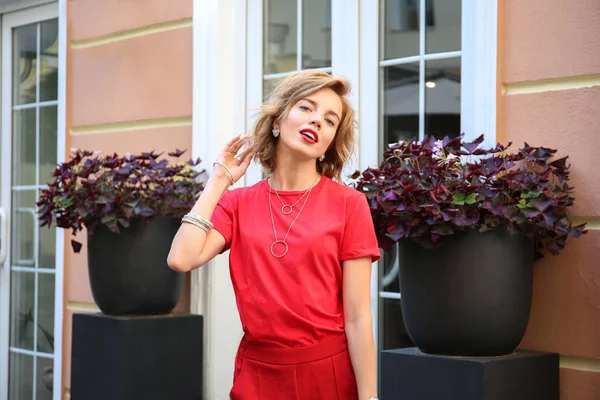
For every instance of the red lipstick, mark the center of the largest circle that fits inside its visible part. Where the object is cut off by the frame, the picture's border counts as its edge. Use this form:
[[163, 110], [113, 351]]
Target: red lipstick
[[309, 135]]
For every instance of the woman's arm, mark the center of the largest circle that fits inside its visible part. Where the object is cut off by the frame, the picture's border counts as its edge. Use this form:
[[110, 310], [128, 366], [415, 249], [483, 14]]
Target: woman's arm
[[192, 247], [358, 322]]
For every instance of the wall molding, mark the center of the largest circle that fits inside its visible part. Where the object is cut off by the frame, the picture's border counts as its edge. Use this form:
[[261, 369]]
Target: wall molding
[[82, 306], [592, 223], [131, 33], [131, 125], [550, 85], [580, 363]]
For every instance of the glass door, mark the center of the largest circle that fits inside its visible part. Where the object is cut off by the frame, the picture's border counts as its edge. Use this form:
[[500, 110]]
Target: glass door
[[29, 155]]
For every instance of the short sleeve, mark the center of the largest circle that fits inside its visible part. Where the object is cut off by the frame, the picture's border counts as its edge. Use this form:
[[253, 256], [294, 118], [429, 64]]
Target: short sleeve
[[223, 217], [359, 238]]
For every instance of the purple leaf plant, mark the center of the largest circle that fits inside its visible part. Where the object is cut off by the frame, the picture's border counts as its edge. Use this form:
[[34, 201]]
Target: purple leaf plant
[[425, 190], [91, 190]]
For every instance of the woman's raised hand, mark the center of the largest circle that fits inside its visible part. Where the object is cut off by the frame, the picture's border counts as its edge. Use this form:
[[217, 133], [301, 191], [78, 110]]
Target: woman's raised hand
[[234, 163]]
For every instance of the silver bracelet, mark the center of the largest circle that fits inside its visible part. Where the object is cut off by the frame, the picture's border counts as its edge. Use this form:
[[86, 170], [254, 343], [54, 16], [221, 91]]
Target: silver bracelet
[[198, 218], [226, 169], [197, 225], [202, 225], [198, 221]]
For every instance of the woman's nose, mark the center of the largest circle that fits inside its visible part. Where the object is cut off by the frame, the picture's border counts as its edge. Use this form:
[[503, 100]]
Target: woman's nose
[[316, 122]]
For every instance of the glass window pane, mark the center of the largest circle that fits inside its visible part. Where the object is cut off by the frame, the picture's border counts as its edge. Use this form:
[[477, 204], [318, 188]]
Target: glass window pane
[[394, 336], [45, 376], [24, 224], [45, 335], [48, 141], [389, 272], [23, 147], [399, 29], [25, 64], [269, 85], [280, 36], [442, 97], [445, 19], [47, 247], [400, 103], [316, 34], [22, 289], [49, 60], [20, 374], [392, 332]]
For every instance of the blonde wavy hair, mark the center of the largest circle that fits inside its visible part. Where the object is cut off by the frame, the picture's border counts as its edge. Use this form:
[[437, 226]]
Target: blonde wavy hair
[[281, 100]]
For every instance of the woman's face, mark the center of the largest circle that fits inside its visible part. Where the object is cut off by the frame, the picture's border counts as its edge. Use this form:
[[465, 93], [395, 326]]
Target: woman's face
[[311, 124]]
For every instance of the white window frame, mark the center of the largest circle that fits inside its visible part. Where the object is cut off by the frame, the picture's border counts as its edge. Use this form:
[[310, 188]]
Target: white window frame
[[37, 10], [478, 87], [255, 65], [218, 114], [355, 54]]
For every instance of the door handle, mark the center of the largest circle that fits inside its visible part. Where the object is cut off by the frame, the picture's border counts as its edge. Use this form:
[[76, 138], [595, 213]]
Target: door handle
[[3, 236]]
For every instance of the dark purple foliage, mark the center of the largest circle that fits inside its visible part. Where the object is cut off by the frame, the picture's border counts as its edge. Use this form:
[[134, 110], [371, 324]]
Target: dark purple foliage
[[429, 189], [90, 189]]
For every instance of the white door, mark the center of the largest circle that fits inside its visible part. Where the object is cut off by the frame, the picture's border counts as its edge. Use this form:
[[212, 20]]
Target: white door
[[28, 158]]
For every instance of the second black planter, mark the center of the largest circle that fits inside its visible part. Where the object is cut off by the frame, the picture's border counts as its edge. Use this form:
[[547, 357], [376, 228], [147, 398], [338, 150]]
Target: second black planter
[[128, 271], [471, 296]]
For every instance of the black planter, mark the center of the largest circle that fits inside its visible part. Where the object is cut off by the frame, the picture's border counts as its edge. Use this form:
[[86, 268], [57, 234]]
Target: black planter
[[128, 271], [471, 296]]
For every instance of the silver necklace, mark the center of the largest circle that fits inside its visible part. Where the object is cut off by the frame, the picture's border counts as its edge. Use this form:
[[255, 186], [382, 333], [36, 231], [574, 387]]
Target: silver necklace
[[283, 241], [286, 208]]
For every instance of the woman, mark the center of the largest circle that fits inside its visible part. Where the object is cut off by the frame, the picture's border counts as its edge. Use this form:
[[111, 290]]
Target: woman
[[301, 247]]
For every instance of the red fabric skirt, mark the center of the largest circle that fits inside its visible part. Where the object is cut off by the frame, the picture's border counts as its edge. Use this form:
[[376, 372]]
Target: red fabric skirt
[[322, 371]]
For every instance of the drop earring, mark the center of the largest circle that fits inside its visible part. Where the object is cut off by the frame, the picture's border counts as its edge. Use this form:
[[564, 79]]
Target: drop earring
[[322, 158], [275, 132]]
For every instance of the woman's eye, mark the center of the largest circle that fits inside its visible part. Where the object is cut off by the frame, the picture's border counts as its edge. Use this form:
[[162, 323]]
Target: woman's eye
[[304, 108], [330, 122]]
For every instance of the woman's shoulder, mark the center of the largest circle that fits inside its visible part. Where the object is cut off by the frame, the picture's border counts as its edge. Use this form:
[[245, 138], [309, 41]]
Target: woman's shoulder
[[244, 191], [343, 191]]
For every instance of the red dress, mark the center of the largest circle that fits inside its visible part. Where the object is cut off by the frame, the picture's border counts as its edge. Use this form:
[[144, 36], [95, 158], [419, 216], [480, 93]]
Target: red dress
[[291, 308]]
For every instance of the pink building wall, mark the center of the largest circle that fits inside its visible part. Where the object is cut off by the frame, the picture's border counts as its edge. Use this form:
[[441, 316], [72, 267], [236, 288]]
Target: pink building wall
[[129, 89], [549, 95]]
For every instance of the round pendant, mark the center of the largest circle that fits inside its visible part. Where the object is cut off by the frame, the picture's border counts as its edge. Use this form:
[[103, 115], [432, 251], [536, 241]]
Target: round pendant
[[287, 209], [273, 245]]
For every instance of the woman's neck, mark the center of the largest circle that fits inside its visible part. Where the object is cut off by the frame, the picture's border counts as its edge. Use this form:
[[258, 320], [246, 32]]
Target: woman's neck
[[292, 174]]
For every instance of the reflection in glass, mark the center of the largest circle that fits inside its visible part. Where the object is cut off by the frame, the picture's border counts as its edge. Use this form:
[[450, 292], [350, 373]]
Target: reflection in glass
[[399, 34], [46, 247], [48, 142], [20, 384], [45, 376], [316, 34], [394, 336], [269, 85], [442, 97], [400, 103], [45, 334], [389, 271], [23, 226], [22, 286], [280, 36], [447, 33], [23, 142], [392, 332], [49, 60], [25, 64]]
